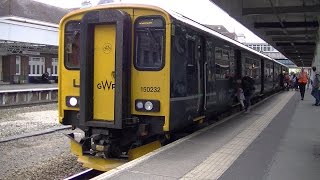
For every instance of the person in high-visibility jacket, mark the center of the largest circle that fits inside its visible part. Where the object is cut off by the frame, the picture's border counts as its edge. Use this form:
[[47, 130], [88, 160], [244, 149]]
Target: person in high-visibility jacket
[[303, 80]]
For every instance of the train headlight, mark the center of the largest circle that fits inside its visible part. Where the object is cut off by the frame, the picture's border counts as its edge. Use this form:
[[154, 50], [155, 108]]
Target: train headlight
[[72, 101], [148, 106], [139, 105]]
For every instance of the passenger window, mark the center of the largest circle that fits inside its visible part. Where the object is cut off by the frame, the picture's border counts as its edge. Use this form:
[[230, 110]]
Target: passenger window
[[222, 64], [149, 43], [72, 45]]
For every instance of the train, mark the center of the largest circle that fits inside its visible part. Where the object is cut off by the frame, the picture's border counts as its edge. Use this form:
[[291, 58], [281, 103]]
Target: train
[[131, 75]]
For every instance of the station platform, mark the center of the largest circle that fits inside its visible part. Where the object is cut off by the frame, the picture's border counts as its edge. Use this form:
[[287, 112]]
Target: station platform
[[11, 87], [279, 139]]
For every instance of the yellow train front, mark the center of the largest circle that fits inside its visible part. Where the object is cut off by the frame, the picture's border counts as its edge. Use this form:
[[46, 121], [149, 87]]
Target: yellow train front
[[114, 67]]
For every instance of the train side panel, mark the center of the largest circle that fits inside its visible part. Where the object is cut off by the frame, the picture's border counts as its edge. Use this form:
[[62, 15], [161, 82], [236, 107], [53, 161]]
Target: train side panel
[[203, 70]]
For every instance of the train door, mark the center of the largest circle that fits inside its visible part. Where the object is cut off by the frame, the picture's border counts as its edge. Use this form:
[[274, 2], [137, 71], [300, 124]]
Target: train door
[[103, 75], [224, 70], [210, 92], [194, 73]]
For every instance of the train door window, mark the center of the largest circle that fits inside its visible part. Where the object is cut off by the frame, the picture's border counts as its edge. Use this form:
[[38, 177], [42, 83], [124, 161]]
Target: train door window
[[179, 40], [210, 61], [72, 45], [191, 53], [149, 43], [192, 69]]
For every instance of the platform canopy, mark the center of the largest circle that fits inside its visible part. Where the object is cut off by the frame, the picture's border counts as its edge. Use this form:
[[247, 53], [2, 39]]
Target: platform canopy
[[20, 34], [291, 26], [29, 27]]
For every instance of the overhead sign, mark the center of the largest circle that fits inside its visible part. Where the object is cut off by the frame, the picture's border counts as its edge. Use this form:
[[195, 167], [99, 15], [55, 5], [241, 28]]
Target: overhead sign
[[31, 53]]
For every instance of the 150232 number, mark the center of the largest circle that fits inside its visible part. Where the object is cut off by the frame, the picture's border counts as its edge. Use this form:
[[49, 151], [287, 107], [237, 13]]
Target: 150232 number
[[150, 89]]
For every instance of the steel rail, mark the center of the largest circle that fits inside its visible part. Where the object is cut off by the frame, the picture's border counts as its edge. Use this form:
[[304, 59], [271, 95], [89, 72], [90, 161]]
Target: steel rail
[[32, 134], [84, 175]]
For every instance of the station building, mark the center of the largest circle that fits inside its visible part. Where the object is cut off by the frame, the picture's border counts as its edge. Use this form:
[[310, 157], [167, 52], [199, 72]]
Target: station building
[[270, 51], [28, 40]]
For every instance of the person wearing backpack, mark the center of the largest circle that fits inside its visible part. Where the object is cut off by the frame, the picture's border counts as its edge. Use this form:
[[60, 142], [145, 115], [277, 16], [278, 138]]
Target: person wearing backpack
[[302, 80], [315, 82]]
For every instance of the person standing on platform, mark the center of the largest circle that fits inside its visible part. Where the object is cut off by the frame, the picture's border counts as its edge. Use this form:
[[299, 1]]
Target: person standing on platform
[[303, 80], [248, 90]]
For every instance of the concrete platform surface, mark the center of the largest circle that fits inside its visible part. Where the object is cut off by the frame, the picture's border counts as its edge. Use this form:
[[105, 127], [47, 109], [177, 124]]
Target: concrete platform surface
[[4, 87], [278, 139]]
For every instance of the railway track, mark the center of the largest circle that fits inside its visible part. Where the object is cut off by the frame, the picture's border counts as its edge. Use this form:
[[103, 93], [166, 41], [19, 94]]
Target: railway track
[[84, 175], [37, 133]]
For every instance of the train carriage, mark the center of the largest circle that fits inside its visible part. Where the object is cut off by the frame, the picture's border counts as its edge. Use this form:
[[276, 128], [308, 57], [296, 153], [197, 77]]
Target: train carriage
[[130, 75]]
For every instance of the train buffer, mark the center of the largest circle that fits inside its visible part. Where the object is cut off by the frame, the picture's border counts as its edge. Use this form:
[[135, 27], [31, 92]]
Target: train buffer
[[278, 139]]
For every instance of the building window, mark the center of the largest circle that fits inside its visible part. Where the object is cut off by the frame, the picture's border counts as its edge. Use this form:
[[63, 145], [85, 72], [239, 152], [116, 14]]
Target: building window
[[54, 66], [36, 66], [18, 65]]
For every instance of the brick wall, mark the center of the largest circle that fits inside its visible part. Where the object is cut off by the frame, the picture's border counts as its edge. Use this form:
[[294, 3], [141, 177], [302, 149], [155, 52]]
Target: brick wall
[[9, 66]]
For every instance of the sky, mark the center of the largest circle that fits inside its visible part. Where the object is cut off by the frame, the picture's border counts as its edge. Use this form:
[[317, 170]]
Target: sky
[[202, 11]]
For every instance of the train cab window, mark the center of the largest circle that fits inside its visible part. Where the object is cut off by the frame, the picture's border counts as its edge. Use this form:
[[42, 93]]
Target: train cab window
[[149, 43], [72, 45]]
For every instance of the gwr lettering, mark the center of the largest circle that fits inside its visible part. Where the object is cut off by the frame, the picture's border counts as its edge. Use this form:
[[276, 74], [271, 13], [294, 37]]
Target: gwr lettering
[[150, 89], [106, 84]]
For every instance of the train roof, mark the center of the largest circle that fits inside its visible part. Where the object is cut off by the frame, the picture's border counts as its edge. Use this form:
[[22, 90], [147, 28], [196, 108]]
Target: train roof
[[217, 34], [193, 23]]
